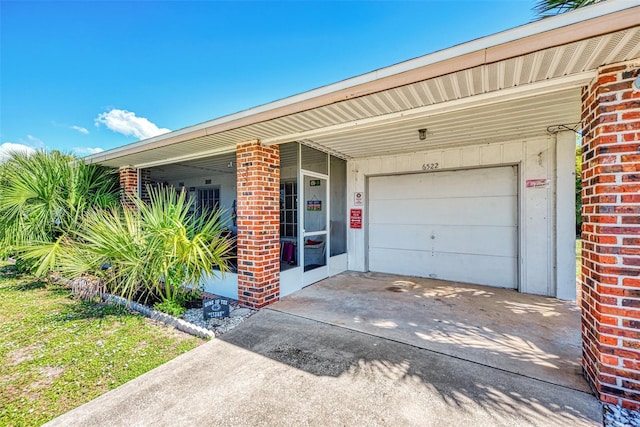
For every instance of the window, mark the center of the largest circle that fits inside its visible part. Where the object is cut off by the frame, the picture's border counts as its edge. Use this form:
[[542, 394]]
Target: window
[[208, 199], [288, 209]]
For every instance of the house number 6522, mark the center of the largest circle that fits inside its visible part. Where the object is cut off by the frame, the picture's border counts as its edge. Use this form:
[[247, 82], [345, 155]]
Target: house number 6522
[[429, 166]]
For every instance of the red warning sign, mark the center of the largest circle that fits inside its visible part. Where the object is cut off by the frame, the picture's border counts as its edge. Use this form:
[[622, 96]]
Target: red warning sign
[[355, 219]]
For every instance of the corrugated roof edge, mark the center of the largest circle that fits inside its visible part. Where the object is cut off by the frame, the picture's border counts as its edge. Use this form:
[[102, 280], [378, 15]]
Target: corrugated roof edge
[[531, 29]]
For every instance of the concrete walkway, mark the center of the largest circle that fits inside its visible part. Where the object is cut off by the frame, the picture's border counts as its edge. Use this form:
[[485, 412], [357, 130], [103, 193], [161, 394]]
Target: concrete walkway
[[279, 369]]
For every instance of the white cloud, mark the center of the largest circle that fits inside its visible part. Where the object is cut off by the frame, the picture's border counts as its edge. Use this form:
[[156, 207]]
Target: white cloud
[[81, 151], [7, 148], [127, 123], [80, 129]]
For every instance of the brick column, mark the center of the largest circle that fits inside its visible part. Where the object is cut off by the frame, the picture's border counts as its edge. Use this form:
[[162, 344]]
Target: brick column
[[258, 212], [611, 235], [133, 182], [128, 184], [145, 179]]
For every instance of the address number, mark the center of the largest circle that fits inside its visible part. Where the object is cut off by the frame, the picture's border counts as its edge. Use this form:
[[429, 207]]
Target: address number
[[429, 166]]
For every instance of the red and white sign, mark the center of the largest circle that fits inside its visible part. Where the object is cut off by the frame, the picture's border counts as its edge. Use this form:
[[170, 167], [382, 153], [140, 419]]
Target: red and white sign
[[538, 183], [355, 219]]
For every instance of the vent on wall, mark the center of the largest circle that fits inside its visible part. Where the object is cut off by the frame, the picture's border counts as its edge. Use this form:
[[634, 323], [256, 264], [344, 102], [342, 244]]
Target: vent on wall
[[207, 181]]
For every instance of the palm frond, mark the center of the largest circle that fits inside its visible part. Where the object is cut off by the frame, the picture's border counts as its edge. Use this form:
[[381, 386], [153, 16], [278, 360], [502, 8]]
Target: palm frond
[[547, 8], [44, 196], [158, 246]]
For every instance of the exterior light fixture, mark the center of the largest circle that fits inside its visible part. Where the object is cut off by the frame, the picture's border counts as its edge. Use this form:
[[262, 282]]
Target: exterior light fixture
[[636, 84], [422, 134]]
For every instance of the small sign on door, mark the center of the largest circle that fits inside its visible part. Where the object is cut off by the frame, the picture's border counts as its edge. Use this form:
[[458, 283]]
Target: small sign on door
[[314, 205], [358, 198]]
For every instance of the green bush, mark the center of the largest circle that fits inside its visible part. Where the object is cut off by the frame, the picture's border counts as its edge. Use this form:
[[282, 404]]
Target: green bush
[[43, 198], [578, 190], [58, 213], [158, 247], [172, 308]]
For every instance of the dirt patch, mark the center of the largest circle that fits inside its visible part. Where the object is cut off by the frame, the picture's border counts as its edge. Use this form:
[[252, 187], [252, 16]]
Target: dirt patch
[[23, 354], [48, 374]]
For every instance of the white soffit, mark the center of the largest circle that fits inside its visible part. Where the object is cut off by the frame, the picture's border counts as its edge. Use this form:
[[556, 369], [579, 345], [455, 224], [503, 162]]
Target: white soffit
[[561, 68], [518, 118], [204, 167]]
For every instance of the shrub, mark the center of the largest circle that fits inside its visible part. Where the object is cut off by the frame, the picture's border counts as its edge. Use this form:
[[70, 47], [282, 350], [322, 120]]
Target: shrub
[[155, 248], [43, 197], [173, 308]]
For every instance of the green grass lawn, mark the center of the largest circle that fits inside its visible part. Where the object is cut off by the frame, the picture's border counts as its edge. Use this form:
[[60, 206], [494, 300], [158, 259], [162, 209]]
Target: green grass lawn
[[578, 257], [57, 353]]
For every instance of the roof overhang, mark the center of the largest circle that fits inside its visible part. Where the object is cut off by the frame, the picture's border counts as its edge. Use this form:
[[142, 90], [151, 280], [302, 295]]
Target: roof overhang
[[539, 62]]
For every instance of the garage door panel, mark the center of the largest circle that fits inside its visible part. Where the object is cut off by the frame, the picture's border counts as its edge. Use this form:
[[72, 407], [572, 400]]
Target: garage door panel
[[453, 225], [450, 184], [499, 271], [455, 211], [400, 261], [390, 236], [498, 241]]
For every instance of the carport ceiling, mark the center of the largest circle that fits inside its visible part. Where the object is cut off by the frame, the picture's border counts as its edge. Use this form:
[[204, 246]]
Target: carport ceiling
[[224, 164], [519, 118], [519, 96]]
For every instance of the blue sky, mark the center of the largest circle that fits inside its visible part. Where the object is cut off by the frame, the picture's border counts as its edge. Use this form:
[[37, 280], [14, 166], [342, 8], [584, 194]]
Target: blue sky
[[87, 76]]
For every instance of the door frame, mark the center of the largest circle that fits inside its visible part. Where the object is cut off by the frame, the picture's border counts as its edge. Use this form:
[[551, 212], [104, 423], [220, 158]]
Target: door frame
[[317, 274]]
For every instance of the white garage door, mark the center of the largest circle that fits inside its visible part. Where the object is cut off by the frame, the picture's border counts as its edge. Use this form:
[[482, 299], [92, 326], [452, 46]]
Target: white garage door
[[456, 225]]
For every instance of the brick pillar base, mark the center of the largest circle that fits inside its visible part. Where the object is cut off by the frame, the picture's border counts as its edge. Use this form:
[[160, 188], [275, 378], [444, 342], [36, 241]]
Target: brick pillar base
[[128, 185], [611, 235], [258, 211]]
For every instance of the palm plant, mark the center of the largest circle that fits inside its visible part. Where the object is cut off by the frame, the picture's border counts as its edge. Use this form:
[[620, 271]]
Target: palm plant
[[157, 247], [42, 198], [546, 8]]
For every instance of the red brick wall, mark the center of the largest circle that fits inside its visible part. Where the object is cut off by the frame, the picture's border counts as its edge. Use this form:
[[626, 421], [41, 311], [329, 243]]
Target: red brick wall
[[145, 180], [129, 177], [611, 235], [128, 184], [258, 213]]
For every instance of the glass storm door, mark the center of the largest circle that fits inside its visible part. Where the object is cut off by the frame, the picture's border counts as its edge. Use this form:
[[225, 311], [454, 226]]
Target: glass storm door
[[315, 226]]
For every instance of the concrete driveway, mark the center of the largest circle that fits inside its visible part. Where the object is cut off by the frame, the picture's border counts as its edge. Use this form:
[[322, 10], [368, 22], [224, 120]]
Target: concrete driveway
[[530, 335], [280, 369]]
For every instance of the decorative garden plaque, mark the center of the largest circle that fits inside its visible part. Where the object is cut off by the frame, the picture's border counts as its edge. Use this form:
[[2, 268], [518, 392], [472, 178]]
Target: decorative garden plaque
[[216, 308]]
